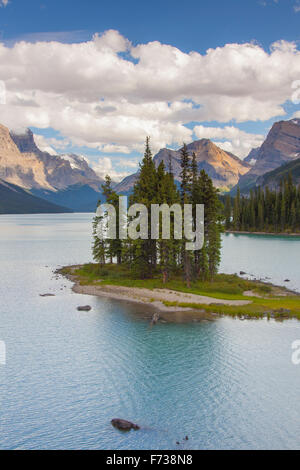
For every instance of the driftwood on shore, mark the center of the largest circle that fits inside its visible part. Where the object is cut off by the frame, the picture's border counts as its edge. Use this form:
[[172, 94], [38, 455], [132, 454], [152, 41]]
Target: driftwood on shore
[[155, 319]]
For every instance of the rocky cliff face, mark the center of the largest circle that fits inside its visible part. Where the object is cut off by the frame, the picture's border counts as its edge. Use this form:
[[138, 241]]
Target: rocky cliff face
[[24, 170], [281, 146], [24, 164], [252, 157], [224, 168]]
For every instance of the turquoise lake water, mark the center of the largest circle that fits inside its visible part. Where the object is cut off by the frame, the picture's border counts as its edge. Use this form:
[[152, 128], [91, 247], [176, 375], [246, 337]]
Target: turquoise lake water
[[227, 384]]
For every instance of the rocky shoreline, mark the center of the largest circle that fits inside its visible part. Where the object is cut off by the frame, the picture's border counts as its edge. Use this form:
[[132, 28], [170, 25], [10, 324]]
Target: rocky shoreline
[[157, 300], [152, 299]]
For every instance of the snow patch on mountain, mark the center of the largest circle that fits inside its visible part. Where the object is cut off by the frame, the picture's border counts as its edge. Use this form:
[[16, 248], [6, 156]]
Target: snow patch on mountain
[[74, 160]]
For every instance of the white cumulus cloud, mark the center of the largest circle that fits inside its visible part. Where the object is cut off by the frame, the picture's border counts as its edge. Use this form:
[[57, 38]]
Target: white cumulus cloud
[[108, 94], [43, 144], [104, 166]]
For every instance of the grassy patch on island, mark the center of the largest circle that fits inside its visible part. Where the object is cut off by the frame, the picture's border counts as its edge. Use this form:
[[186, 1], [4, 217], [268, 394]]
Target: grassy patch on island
[[266, 300]]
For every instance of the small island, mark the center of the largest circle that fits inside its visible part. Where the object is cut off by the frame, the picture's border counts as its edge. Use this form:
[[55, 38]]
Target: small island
[[162, 273], [228, 295]]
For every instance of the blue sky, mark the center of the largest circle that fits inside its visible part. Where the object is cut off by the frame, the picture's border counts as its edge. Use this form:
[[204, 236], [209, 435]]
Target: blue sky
[[189, 25], [182, 26]]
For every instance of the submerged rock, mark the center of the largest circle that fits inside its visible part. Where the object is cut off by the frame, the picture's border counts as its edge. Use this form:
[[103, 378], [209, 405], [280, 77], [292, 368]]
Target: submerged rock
[[84, 308], [47, 295], [124, 425]]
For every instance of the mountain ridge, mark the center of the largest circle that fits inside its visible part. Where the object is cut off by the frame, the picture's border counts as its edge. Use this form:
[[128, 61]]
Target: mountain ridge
[[68, 181], [24, 164], [223, 167], [65, 180], [281, 146], [15, 200], [273, 178]]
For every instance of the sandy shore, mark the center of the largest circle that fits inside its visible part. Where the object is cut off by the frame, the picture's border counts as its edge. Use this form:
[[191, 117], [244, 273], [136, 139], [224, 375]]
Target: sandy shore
[[154, 297], [151, 298]]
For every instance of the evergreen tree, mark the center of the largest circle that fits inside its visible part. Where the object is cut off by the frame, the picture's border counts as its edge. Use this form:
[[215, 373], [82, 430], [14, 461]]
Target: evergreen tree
[[228, 212], [167, 193], [267, 210], [185, 174], [213, 218], [104, 249], [185, 199], [147, 257], [236, 210], [144, 254], [98, 248]]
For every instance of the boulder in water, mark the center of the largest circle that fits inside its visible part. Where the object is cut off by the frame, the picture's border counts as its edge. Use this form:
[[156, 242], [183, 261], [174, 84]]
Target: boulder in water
[[84, 308], [124, 425]]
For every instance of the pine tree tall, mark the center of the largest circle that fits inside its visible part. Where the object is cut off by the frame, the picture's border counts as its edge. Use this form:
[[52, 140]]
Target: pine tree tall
[[144, 254], [147, 257], [185, 199]]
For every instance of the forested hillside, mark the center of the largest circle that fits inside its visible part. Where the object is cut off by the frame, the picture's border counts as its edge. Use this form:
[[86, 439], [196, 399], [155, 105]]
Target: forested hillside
[[265, 210]]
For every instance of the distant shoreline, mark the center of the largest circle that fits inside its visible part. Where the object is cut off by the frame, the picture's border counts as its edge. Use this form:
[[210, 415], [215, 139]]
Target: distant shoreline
[[273, 234]]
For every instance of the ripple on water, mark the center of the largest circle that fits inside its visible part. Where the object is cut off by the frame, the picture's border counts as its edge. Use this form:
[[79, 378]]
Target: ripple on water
[[225, 384]]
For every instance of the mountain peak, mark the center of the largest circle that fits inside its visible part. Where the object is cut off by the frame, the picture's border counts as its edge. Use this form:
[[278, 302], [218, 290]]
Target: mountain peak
[[281, 146], [223, 167], [24, 164], [25, 141], [200, 143], [296, 121]]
